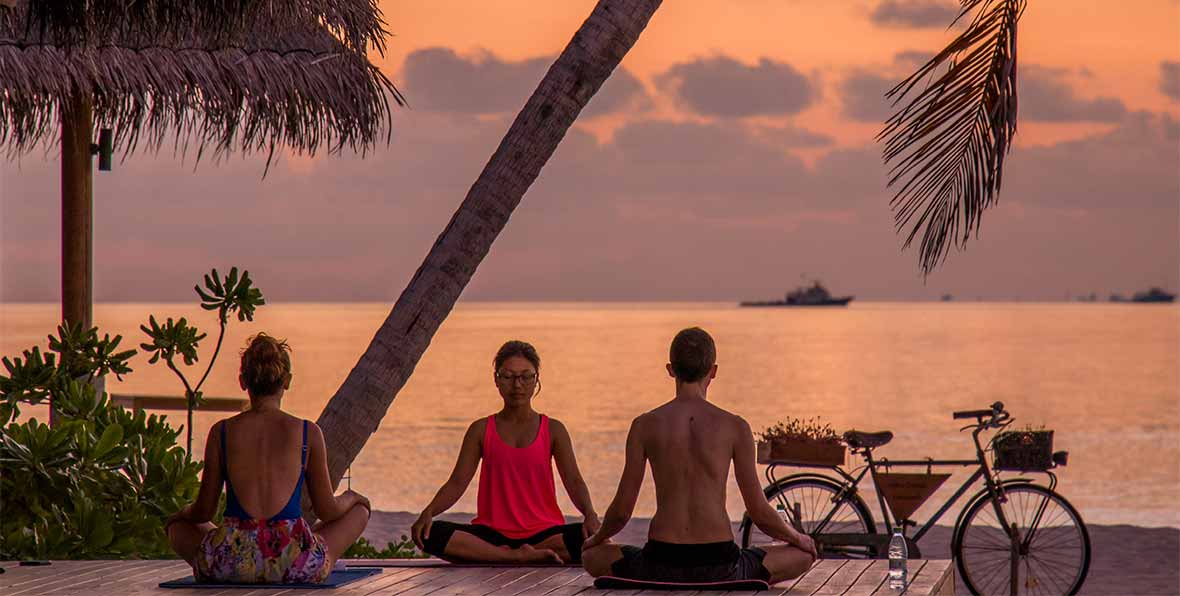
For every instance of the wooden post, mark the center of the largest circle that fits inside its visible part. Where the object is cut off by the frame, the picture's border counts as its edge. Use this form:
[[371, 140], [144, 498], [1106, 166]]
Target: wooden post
[[77, 217]]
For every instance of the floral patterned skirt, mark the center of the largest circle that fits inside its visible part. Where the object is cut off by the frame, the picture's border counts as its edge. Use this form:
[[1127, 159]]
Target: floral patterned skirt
[[263, 551]]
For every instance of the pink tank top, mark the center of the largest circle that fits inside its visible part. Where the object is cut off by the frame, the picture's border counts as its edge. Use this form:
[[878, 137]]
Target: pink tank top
[[516, 493]]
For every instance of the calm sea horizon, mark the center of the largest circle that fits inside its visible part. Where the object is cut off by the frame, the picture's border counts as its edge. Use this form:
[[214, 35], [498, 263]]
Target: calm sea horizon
[[1105, 377]]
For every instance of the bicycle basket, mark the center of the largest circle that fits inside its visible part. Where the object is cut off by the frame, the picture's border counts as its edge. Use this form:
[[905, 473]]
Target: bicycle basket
[[1023, 450]]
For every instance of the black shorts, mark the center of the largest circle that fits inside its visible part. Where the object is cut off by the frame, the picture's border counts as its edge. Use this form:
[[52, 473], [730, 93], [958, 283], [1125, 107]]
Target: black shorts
[[441, 531], [691, 563]]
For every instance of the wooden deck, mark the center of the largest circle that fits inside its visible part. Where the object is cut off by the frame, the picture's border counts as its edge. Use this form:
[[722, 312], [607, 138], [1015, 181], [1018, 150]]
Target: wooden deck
[[97, 578]]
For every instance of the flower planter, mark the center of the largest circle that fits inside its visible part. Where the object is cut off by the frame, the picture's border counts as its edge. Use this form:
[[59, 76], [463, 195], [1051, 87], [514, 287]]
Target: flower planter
[[1023, 451], [820, 453]]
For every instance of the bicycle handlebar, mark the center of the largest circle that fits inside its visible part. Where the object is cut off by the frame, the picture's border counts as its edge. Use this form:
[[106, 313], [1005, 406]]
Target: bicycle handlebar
[[996, 412], [972, 414]]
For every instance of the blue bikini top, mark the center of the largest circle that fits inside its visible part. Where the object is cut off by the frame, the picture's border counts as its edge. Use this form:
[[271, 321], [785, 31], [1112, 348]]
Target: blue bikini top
[[293, 509]]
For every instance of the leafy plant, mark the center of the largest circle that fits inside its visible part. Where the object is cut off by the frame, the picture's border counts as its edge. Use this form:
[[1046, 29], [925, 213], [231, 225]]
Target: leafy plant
[[74, 354], [101, 481], [801, 430], [178, 338], [402, 549], [98, 484]]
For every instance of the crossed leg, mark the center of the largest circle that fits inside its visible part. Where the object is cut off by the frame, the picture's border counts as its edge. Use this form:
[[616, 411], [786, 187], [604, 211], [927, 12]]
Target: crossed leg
[[466, 547], [597, 561], [784, 562], [556, 543], [341, 533], [185, 538]]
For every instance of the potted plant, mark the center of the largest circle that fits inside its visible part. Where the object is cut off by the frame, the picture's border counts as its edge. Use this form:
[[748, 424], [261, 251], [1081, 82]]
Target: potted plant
[[801, 441]]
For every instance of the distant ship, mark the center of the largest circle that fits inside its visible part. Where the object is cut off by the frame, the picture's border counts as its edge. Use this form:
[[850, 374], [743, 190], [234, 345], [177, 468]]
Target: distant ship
[[815, 295], [1153, 295]]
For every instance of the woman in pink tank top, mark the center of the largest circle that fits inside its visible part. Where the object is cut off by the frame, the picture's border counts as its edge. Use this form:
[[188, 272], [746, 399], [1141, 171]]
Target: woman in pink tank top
[[517, 518]]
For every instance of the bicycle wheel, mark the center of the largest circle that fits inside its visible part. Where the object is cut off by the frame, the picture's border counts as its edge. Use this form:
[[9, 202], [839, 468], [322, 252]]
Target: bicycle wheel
[[1054, 554], [809, 501]]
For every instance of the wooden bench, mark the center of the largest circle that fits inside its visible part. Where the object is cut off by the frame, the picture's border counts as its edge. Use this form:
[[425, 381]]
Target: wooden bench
[[408, 578], [136, 403]]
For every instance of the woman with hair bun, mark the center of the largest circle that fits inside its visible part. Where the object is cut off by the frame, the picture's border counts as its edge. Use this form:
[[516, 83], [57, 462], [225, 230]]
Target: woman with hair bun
[[265, 457], [517, 519]]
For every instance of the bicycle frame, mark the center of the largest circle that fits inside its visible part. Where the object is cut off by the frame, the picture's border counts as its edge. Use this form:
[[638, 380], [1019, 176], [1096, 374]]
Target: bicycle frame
[[993, 487], [967, 484], [851, 482]]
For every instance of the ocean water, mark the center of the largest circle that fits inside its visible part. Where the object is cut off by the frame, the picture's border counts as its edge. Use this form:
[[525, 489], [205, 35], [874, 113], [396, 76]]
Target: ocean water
[[1105, 377]]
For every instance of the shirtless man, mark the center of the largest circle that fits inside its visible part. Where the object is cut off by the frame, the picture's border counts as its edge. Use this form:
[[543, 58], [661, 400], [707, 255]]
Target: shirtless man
[[690, 444]]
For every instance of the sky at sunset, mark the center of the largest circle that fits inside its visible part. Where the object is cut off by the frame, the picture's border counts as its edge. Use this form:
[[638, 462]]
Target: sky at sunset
[[731, 154]]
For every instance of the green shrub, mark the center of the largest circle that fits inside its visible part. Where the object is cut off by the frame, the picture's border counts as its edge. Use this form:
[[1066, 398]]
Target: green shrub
[[402, 549], [76, 354], [101, 482], [98, 484]]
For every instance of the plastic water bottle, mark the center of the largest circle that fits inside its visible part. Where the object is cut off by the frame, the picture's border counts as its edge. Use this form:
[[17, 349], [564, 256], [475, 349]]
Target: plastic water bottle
[[782, 513], [897, 560]]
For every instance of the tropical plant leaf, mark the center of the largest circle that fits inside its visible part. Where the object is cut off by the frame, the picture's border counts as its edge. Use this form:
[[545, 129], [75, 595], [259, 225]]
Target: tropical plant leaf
[[173, 338], [28, 380], [947, 145], [234, 294], [110, 439]]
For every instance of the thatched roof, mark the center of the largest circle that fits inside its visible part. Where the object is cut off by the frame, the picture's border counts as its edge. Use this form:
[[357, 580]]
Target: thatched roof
[[355, 22], [285, 83]]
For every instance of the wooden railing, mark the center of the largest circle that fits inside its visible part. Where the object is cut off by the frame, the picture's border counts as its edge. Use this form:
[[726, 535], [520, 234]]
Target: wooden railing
[[172, 402]]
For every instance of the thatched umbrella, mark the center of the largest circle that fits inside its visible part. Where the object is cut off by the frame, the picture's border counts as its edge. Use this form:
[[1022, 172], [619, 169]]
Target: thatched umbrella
[[254, 75], [357, 23]]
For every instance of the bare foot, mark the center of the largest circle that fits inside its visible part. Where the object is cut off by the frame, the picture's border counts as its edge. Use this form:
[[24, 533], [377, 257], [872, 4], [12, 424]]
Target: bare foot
[[529, 554]]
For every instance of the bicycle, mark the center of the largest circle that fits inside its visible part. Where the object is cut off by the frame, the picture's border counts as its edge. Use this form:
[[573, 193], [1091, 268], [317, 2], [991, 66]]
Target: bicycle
[[1011, 525]]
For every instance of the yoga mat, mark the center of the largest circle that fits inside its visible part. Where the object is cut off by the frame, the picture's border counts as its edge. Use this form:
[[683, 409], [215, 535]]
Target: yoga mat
[[442, 563], [608, 582], [338, 578]]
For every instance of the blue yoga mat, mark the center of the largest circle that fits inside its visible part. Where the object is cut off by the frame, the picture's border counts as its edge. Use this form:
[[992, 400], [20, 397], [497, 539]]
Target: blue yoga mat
[[338, 578], [608, 582]]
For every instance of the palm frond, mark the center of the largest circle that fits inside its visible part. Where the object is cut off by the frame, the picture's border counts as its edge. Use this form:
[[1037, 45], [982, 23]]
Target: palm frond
[[947, 145]]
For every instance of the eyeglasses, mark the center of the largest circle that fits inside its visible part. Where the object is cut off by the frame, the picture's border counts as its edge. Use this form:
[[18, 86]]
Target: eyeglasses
[[527, 378]]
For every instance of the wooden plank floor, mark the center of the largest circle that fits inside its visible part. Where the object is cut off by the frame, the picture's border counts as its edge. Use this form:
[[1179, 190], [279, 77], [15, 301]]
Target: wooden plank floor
[[99, 578]]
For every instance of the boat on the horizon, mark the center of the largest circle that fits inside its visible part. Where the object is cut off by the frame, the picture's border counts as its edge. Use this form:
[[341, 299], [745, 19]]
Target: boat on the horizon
[[814, 295], [1153, 295]]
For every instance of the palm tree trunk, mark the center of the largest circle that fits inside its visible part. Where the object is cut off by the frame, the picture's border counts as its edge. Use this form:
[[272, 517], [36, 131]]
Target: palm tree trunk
[[354, 413]]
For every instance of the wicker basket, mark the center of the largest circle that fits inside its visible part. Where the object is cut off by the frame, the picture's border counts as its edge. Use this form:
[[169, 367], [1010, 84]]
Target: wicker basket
[[1023, 451], [819, 453]]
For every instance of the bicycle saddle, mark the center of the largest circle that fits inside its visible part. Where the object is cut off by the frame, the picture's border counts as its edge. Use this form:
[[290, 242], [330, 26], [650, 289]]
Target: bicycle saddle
[[862, 440]]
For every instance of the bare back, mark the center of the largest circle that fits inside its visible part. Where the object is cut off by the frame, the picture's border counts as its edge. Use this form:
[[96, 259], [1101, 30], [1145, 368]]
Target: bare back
[[263, 460], [690, 444]]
